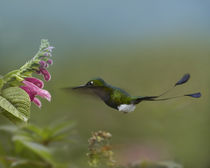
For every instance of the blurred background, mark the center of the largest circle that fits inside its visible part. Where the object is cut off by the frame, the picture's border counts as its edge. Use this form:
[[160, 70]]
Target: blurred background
[[140, 46]]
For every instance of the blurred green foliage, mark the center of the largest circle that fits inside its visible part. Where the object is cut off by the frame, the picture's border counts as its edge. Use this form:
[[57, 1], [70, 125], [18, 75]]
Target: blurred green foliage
[[33, 146]]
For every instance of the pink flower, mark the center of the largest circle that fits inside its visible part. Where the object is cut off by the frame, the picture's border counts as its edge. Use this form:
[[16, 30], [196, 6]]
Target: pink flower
[[42, 63], [37, 102], [39, 64], [35, 81], [30, 92], [40, 92], [33, 90], [46, 74], [50, 62]]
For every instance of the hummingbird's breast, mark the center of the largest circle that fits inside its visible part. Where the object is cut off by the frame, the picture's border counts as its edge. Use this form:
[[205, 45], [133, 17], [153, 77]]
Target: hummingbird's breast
[[114, 97], [105, 94]]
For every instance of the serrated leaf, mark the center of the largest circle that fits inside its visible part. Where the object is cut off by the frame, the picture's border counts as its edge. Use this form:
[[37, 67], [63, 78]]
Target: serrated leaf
[[15, 104]]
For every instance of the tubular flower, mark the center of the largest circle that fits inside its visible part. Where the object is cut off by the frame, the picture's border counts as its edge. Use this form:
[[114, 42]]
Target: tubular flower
[[45, 73], [50, 62], [33, 90], [37, 102], [44, 63], [35, 81], [39, 64]]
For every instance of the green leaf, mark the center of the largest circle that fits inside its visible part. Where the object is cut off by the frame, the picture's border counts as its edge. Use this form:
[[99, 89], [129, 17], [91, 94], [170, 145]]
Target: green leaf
[[39, 149], [1, 82], [10, 75], [34, 130], [63, 127], [9, 128], [18, 162], [15, 104]]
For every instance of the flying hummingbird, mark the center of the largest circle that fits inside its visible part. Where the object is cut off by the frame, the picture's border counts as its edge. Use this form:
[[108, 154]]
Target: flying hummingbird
[[122, 101]]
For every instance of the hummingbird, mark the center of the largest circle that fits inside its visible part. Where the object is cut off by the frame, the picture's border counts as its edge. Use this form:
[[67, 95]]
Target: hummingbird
[[120, 100]]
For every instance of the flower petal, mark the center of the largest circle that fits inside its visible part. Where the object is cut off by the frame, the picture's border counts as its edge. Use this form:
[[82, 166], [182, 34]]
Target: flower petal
[[42, 63], [40, 92], [44, 94], [37, 102], [35, 81], [29, 91], [46, 74], [50, 61], [47, 65]]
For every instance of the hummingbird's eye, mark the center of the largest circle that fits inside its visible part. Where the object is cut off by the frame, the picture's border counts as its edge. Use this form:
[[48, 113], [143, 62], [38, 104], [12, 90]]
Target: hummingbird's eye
[[90, 83]]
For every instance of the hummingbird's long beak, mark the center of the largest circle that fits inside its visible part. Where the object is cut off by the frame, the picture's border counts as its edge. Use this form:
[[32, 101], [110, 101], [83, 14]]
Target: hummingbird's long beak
[[80, 87]]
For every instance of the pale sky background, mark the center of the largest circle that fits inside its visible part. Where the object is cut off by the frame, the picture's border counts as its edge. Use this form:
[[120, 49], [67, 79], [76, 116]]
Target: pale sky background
[[99, 22]]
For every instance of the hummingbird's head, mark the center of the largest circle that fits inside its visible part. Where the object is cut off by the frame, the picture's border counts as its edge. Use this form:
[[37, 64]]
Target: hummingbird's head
[[96, 82], [93, 83]]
